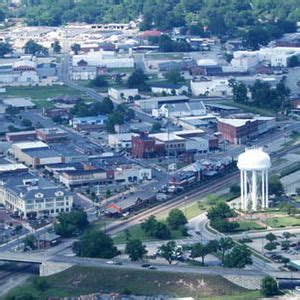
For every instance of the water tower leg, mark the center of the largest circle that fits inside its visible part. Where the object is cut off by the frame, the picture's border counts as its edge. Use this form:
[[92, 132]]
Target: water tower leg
[[242, 190], [267, 190], [254, 191]]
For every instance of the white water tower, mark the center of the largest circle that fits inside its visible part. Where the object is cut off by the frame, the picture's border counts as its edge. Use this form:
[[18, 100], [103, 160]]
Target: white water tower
[[254, 165]]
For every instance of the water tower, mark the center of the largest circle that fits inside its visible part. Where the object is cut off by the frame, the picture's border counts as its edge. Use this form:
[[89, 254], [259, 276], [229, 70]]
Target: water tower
[[254, 165]]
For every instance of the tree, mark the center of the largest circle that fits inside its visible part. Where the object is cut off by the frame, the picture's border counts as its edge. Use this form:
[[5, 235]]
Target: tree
[[174, 76], [30, 241], [26, 123], [176, 218], [75, 48], [31, 47], [225, 244], [56, 47], [270, 246], [137, 80], [199, 250], [275, 185], [95, 244], [239, 257], [239, 91], [293, 61], [220, 210], [287, 235], [99, 81], [167, 251], [149, 225], [69, 224], [135, 250], [255, 38], [235, 189], [40, 284], [162, 231], [269, 286], [156, 127], [5, 48], [271, 237], [11, 110]]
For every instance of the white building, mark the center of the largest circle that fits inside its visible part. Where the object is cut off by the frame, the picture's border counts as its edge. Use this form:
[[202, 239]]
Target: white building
[[28, 196], [106, 59], [121, 140], [244, 60], [217, 87], [122, 94], [132, 173], [254, 165], [177, 110], [169, 89]]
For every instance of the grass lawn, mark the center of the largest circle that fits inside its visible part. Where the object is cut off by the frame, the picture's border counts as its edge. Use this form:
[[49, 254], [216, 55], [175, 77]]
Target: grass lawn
[[249, 225], [283, 222], [136, 232], [290, 169], [40, 92], [86, 280]]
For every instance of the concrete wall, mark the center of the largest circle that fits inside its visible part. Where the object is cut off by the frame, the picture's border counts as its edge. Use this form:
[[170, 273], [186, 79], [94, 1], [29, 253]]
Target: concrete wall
[[48, 268]]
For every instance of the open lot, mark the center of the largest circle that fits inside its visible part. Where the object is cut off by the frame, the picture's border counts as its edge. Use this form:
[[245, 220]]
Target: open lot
[[85, 280], [277, 222]]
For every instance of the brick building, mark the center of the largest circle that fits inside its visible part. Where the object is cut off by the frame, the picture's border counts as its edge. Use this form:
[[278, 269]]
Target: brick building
[[238, 131]]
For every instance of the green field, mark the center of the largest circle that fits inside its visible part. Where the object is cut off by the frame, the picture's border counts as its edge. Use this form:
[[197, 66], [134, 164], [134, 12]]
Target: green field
[[283, 222], [136, 232], [86, 280], [40, 92], [249, 225]]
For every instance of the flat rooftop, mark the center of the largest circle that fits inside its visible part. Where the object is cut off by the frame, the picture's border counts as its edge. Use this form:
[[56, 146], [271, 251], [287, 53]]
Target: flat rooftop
[[31, 145]]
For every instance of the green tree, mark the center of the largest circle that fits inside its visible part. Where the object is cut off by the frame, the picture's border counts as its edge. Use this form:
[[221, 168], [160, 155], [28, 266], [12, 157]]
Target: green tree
[[176, 218], [235, 189], [167, 251], [30, 241], [5, 48], [270, 246], [275, 185], [26, 123], [11, 110], [269, 286], [162, 231], [95, 244], [99, 81], [199, 250], [56, 47], [293, 61], [287, 235], [174, 76], [224, 245], [156, 127], [149, 225], [31, 47], [68, 224], [271, 237], [239, 91], [220, 210], [75, 48], [137, 80], [238, 257], [256, 37], [135, 250]]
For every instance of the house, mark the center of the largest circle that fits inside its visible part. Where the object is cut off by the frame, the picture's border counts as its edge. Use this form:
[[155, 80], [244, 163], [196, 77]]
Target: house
[[84, 72], [48, 239], [155, 102], [169, 89], [211, 87], [88, 123], [177, 110], [122, 94]]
